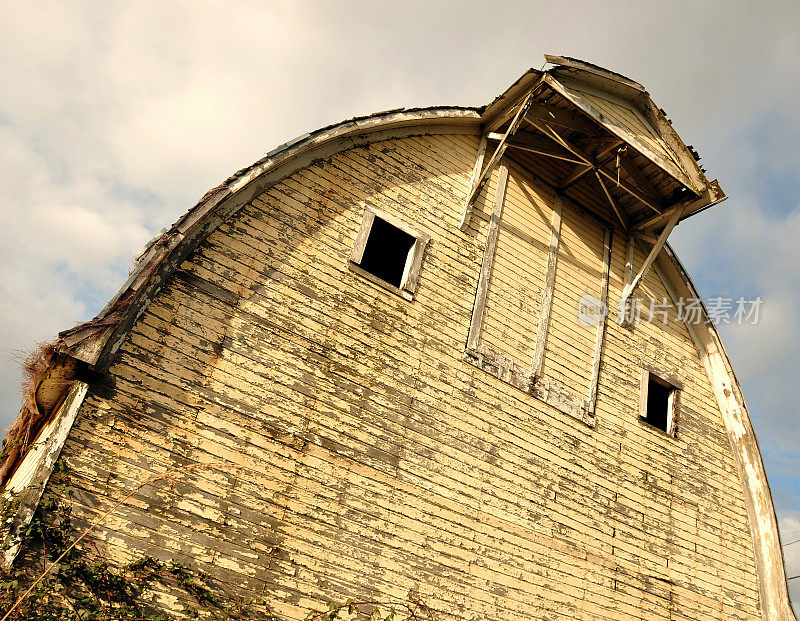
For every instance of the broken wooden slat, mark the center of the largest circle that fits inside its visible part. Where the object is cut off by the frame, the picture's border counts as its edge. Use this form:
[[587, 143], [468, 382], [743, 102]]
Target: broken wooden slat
[[601, 325], [363, 235], [488, 260], [29, 481], [465, 217], [549, 285]]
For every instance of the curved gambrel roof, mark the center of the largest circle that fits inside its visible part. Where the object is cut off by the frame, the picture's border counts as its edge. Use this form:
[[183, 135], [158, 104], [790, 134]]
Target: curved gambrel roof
[[95, 343]]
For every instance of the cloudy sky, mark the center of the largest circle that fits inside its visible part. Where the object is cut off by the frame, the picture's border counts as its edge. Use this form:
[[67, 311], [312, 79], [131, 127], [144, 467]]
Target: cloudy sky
[[115, 118]]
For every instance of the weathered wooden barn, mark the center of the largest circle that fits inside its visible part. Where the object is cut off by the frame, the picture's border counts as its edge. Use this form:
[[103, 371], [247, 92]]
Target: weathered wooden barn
[[378, 336]]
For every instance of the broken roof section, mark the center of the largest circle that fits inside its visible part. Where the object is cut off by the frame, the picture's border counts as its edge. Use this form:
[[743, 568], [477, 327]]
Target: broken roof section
[[598, 137]]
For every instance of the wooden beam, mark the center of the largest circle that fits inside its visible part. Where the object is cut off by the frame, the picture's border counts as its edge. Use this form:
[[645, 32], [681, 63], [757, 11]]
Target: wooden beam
[[501, 148], [620, 213], [549, 131], [501, 120], [651, 239], [642, 182], [580, 171], [549, 285], [485, 276], [534, 144], [465, 217], [628, 290], [564, 118], [659, 219], [713, 194], [629, 189], [615, 144], [508, 113], [589, 160], [601, 325]]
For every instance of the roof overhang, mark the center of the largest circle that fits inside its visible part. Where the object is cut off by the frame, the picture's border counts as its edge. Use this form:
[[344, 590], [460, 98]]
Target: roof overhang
[[598, 137]]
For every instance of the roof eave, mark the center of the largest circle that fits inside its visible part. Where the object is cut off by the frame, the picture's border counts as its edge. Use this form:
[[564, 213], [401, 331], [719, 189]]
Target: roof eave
[[95, 341]]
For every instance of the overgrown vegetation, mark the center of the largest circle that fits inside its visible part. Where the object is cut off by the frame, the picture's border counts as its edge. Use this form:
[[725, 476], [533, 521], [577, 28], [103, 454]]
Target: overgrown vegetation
[[53, 579], [84, 586], [32, 415]]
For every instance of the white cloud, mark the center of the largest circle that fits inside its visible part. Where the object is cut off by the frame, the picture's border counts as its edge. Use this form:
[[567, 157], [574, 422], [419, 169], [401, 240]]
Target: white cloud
[[66, 244]]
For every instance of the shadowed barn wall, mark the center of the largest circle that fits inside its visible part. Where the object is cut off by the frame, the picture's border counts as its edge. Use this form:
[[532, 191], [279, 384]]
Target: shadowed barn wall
[[373, 459]]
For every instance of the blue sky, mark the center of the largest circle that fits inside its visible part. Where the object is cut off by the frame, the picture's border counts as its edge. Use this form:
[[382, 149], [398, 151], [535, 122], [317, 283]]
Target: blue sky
[[115, 118]]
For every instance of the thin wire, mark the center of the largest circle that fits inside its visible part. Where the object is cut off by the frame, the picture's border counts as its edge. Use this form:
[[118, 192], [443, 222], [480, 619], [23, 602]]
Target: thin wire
[[790, 543]]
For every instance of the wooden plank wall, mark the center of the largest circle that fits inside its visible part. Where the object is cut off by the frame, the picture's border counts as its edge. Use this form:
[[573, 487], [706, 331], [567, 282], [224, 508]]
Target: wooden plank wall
[[570, 345], [374, 459], [514, 299]]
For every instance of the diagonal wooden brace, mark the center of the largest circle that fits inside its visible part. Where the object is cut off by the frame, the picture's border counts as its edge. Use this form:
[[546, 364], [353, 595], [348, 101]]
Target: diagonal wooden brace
[[662, 239], [477, 183], [593, 163]]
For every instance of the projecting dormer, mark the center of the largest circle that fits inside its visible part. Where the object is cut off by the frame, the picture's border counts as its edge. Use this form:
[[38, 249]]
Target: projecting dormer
[[597, 136]]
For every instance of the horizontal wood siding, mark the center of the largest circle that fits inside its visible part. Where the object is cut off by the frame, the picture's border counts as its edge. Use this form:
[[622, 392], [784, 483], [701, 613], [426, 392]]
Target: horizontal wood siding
[[515, 294], [570, 345], [367, 458]]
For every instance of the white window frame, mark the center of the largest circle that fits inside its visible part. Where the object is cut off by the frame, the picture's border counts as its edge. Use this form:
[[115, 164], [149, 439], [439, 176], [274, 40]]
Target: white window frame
[[672, 403], [410, 279]]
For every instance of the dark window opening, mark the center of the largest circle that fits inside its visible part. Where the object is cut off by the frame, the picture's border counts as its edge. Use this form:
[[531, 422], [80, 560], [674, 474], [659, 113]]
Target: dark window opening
[[386, 252], [659, 403]]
